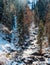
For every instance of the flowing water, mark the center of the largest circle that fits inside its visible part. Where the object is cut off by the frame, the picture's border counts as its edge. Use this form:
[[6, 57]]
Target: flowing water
[[15, 31]]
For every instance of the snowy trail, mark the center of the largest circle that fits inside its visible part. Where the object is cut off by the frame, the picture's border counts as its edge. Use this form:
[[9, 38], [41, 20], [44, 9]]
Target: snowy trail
[[33, 47], [33, 39]]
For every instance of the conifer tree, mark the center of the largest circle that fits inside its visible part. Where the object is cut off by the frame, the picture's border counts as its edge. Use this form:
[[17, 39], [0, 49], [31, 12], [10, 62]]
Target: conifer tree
[[40, 36], [20, 27], [1, 9], [39, 11], [48, 21]]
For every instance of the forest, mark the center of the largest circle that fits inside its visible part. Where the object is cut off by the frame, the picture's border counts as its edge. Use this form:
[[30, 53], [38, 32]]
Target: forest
[[24, 32]]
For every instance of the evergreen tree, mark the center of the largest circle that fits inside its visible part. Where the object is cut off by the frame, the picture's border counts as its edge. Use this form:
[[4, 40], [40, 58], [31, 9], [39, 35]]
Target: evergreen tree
[[48, 21], [1, 9], [21, 27], [39, 11], [40, 36], [48, 32]]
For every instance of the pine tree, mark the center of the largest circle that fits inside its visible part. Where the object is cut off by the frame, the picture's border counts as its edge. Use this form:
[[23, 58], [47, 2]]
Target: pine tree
[[40, 36], [1, 9], [20, 27], [48, 21], [39, 11]]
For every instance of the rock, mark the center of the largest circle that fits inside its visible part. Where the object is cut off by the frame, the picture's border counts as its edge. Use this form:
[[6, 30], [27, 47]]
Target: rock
[[46, 55], [28, 61], [8, 56], [41, 59], [33, 58], [37, 54]]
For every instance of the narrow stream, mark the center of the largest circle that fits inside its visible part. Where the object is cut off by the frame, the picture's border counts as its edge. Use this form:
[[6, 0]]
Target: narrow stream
[[15, 31]]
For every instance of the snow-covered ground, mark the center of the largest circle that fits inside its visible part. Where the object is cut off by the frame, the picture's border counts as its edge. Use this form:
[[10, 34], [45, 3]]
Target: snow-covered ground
[[33, 39], [9, 53], [33, 47]]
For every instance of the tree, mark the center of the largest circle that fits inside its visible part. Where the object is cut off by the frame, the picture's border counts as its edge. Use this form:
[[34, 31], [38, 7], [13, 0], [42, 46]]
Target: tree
[[48, 32], [40, 36], [1, 9], [48, 21], [39, 11], [20, 27], [9, 11]]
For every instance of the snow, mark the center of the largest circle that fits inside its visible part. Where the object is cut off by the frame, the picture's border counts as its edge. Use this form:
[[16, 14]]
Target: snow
[[31, 48], [6, 47], [15, 63], [35, 63], [3, 41], [4, 60]]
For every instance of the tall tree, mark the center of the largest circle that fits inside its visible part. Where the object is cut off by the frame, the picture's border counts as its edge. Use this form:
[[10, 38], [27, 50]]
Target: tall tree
[[48, 21], [1, 9], [40, 36], [21, 27], [39, 11]]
